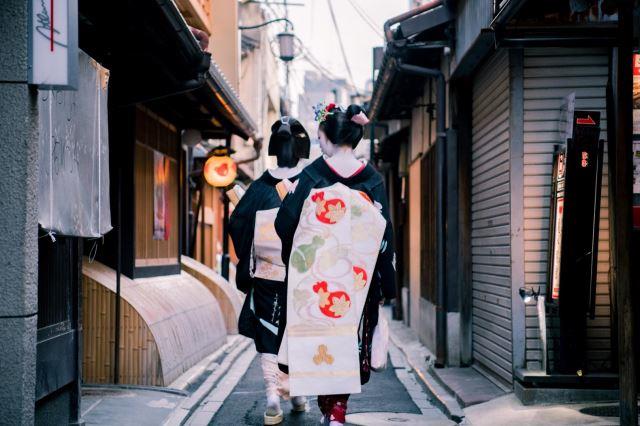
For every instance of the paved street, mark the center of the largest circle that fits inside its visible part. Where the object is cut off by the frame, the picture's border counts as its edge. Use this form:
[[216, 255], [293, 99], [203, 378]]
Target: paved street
[[127, 406], [385, 393]]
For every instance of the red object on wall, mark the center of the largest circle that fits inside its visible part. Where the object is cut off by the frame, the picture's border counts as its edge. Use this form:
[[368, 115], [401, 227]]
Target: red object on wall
[[636, 217]]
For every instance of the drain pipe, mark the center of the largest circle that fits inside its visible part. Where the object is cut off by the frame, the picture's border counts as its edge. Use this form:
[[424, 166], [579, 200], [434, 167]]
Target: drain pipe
[[388, 34], [441, 160], [257, 147]]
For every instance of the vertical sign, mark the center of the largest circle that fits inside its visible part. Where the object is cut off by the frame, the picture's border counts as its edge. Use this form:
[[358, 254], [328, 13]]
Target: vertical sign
[[636, 140], [636, 94], [53, 44], [160, 196], [558, 215]]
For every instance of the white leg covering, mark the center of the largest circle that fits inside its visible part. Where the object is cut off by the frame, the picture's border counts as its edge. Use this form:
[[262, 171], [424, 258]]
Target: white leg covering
[[299, 403], [273, 415]]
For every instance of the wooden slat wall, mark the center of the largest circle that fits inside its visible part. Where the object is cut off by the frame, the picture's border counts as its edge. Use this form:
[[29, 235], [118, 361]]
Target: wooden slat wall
[[550, 75], [225, 292], [428, 190], [208, 248], [168, 324], [153, 133], [490, 216], [139, 356]]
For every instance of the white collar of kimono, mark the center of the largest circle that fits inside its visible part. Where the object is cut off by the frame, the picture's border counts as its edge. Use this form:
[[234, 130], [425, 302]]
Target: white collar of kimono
[[344, 162], [285, 172]]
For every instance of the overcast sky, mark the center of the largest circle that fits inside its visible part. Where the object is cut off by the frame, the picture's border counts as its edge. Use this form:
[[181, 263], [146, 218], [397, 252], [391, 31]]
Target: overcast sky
[[314, 26]]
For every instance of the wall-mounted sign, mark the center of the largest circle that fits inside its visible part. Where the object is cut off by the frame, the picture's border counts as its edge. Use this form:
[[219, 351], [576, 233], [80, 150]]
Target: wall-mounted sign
[[161, 222], [557, 216], [53, 44], [73, 155], [636, 94]]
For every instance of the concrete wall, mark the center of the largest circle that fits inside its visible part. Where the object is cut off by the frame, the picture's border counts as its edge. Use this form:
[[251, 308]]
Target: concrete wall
[[259, 85], [18, 220], [224, 43]]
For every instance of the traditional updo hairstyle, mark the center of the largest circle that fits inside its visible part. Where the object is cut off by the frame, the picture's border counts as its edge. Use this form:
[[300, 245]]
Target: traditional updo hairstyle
[[344, 128], [289, 142]]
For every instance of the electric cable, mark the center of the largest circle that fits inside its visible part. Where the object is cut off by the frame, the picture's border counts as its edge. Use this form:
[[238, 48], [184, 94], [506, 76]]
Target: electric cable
[[344, 53], [367, 20]]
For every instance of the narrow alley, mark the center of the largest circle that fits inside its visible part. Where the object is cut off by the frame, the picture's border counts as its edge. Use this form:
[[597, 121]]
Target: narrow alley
[[420, 212]]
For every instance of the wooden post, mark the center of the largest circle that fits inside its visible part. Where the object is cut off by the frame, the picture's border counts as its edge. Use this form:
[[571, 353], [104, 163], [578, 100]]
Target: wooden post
[[225, 227], [620, 186]]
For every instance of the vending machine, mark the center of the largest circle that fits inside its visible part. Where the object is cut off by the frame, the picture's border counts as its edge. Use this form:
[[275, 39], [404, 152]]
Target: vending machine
[[573, 242]]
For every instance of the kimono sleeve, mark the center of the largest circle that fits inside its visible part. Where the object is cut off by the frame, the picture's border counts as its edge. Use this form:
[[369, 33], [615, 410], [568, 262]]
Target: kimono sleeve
[[385, 266], [241, 229]]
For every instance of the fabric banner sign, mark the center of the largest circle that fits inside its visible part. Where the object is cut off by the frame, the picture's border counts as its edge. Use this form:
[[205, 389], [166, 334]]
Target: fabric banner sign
[[73, 155], [160, 196], [334, 253]]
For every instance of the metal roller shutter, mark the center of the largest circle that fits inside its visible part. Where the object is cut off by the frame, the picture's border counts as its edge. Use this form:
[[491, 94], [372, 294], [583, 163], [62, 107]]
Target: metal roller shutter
[[549, 76], [490, 216]]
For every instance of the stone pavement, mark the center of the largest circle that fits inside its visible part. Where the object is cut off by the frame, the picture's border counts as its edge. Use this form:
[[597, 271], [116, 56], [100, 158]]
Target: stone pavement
[[226, 388], [385, 400], [507, 410], [128, 406], [462, 395]]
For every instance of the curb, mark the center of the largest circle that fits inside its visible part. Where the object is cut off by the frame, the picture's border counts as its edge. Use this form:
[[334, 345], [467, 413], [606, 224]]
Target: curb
[[185, 410], [193, 375], [442, 398], [111, 387]]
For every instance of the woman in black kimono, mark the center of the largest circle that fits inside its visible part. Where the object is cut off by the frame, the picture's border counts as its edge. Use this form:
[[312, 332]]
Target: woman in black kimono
[[260, 272], [339, 133]]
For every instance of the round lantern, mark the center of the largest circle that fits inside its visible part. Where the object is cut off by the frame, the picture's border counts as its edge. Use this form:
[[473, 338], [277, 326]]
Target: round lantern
[[220, 170]]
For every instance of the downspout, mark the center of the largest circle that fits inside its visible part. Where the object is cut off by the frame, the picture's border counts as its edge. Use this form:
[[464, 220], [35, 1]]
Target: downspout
[[441, 160], [388, 34], [257, 147]]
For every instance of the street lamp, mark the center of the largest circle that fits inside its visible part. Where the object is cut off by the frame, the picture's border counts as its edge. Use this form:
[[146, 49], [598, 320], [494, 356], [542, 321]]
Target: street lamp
[[286, 45], [286, 39]]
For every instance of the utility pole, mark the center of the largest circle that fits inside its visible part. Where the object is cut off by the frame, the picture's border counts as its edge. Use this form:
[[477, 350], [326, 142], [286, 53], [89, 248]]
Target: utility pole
[[620, 174]]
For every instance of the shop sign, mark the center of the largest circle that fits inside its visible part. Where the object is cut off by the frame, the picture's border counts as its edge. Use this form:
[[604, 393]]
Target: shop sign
[[556, 248], [53, 44]]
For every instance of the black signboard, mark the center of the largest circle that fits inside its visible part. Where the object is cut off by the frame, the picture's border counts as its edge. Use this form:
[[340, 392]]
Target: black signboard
[[573, 253]]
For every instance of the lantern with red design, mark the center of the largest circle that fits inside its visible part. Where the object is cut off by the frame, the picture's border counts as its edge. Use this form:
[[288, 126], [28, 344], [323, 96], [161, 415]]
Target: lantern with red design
[[220, 170]]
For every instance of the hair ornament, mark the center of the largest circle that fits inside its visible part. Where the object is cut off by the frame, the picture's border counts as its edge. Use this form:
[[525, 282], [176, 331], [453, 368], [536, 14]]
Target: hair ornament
[[321, 111], [360, 118]]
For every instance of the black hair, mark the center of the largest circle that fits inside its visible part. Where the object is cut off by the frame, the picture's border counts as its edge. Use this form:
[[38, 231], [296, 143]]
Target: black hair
[[339, 128], [289, 142]]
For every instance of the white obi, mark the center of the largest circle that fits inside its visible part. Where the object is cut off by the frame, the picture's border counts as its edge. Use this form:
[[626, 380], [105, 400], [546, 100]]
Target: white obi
[[333, 256], [266, 256]]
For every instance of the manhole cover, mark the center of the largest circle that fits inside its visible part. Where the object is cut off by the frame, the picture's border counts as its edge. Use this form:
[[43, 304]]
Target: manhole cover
[[380, 419]]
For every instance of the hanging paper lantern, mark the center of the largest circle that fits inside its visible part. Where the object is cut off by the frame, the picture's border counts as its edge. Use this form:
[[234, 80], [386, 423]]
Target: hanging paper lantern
[[220, 170]]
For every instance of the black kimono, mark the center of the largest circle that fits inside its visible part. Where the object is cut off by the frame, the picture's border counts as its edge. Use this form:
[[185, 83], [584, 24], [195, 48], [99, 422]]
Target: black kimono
[[320, 175], [260, 315]]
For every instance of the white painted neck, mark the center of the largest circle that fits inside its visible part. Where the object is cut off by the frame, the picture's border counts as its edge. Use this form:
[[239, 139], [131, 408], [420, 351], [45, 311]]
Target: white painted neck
[[285, 172]]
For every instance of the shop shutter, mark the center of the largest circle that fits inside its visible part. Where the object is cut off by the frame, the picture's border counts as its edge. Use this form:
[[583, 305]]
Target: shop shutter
[[549, 76], [490, 216]]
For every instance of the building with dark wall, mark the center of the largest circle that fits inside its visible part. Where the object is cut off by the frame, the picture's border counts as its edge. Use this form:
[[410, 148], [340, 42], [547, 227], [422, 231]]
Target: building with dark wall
[[40, 311], [475, 214]]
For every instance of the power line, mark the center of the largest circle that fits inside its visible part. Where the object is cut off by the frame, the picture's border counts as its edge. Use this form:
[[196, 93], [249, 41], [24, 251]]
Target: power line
[[344, 53], [312, 60], [367, 20]]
